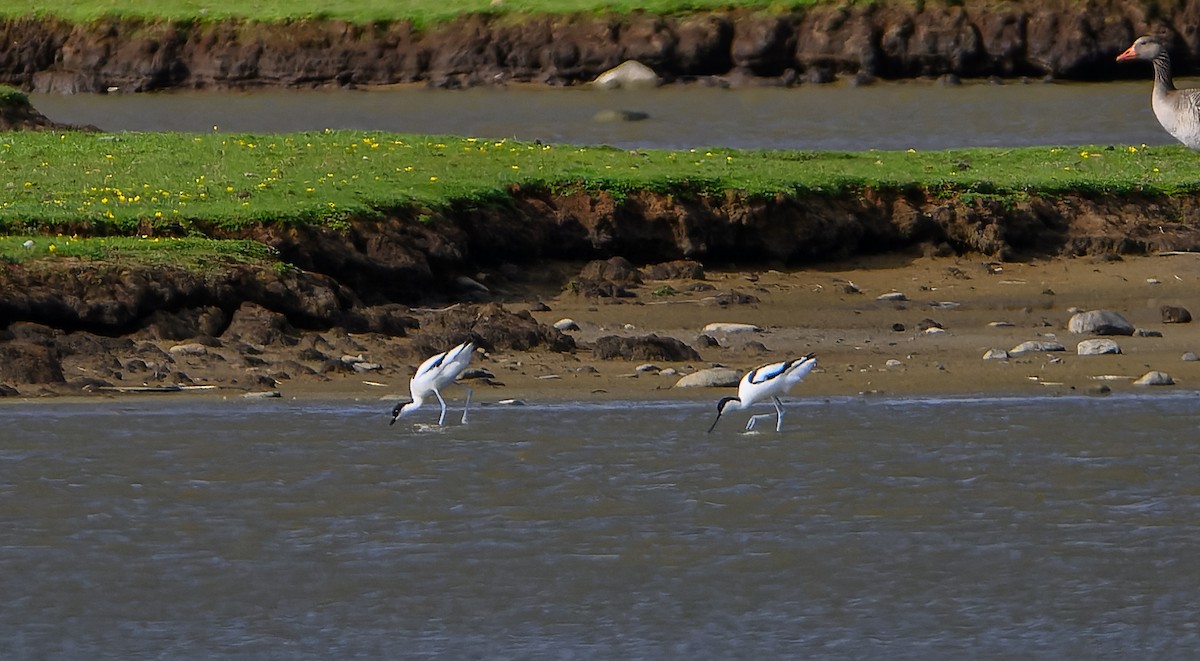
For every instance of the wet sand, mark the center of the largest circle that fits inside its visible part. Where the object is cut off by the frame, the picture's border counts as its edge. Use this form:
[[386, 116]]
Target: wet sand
[[864, 345]]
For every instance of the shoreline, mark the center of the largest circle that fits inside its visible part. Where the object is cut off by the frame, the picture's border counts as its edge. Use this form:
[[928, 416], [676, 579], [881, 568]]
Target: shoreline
[[865, 346]]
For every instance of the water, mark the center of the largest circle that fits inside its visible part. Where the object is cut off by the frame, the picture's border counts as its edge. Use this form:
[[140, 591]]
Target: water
[[870, 528], [891, 116]]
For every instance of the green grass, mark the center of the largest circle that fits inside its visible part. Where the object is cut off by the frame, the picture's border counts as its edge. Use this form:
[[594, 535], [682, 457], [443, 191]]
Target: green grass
[[187, 184], [193, 252], [363, 11]]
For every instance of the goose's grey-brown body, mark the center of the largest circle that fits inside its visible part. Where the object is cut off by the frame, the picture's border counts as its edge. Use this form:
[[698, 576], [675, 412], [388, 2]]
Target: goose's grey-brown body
[[1178, 110]]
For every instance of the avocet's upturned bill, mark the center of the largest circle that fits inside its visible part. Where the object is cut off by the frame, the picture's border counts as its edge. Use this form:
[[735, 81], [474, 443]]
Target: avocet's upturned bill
[[766, 382], [437, 372]]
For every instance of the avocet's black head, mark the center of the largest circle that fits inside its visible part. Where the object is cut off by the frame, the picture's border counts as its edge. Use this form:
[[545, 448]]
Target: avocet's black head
[[397, 411], [724, 401]]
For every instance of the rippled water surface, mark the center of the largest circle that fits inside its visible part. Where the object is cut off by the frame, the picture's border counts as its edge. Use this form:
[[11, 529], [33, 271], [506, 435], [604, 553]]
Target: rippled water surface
[[886, 116], [1016, 528]]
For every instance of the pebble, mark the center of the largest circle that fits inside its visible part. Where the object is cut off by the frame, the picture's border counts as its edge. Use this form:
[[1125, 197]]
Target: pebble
[[892, 296], [996, 354], [565, 325]]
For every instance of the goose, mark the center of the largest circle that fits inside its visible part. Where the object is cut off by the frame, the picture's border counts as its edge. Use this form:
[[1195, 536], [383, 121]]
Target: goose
[[1177, 110]]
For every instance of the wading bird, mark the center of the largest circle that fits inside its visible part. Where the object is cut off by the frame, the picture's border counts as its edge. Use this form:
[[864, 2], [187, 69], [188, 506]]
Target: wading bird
[[1177, 110], [766, 382], [437, 372]]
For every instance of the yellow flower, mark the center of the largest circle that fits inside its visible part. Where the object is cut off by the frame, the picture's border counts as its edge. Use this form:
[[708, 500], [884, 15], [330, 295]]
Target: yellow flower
[[433, 178], [53, 247]]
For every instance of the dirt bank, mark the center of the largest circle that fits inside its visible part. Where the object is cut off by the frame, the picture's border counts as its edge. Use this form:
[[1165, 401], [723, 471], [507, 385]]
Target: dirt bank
[[859, 41], [367, 303], [865, 345]]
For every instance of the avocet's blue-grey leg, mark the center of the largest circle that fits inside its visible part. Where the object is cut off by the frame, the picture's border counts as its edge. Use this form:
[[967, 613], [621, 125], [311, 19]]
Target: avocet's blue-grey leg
[[779, 413], [754, 419], [467, 405], [441, 401]]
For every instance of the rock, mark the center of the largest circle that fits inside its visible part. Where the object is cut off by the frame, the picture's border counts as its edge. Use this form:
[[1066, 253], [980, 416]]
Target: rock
[[189, 349], [1099, 390], [616, 269], [680, 269], [492, 326], [629, 74], [1146, 332], [893, 363], [565, 325], [714, 377], [706, 341], [1000, 324], [644, 347], [255, 324], [1190, 357], [1100, 322], [723, 327], [1096, 347], [8, 391], [996, 354], [391, 319], [1175, 314], [620, 116], [647, 367], [266, 394], [23, 361], [1035, 346], [1155, 378], [934, 330], [892, 296]]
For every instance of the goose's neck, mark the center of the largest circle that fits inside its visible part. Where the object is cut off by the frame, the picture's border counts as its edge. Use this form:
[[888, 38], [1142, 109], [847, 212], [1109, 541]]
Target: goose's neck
[[1162, 72]]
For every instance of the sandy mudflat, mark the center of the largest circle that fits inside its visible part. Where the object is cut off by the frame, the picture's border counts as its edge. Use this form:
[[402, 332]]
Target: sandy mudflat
[[853, 335], [864, 345]]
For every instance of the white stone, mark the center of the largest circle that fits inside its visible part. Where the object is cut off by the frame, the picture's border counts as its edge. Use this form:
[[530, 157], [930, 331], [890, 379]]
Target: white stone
[[721, 327], [714, 377], [566, 324], [1096, 347], [996, 354], [1100, 322], [1032, 346], [1155, 378], [892, 296], [190, 349], [628, 74]]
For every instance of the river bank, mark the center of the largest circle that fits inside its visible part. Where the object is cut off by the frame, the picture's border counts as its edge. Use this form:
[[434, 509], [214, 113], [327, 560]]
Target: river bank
[[857, 42], [865, 344]]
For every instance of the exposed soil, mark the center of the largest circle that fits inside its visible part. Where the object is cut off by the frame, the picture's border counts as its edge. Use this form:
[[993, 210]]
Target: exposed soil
[[369, 303], [1058, 39]]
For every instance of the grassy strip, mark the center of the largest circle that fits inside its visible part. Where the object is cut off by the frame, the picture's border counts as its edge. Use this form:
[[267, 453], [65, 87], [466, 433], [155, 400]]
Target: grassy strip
[[181, 184], [190, 252], [421, 12]]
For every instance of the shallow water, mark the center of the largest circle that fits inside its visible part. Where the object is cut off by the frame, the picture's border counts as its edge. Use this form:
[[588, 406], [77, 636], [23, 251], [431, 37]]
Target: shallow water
[[869, 528], [886, 116]]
